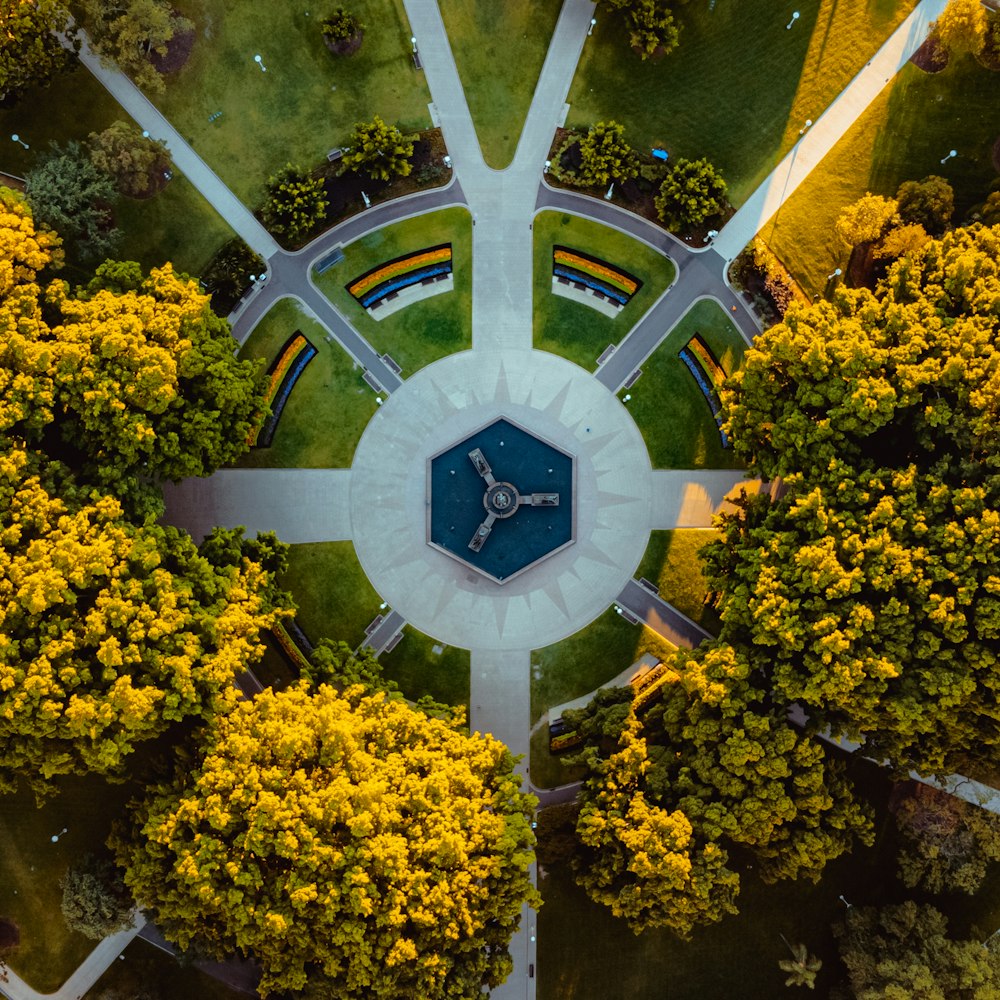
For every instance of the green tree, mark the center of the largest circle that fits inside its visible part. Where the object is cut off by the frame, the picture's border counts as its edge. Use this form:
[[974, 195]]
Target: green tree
[[904, 952], [802, 968], [69, 194], [991, 209], [134, 162], [909, 238], [947, 843], [30, 53], [650, 24], [929, 203], [295, 202], [692, 192], [24, 250], [342, 838], [866, 220], [379, 150], [95, 902], [343, 32], [709, 767], [862, 593], [962, 27], [230, 272], [605, 156], [125, 33]]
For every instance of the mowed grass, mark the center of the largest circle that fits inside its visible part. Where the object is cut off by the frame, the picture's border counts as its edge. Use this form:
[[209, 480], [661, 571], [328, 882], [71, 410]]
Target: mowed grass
[[306, 102], [572, 329], [31, 867], [419, 669], [334, 597], [423, 331], [902, 136], [177, 225], [329, 407], [667, 405], [588, 660], [671, 561], [739, 86], [499, 49]]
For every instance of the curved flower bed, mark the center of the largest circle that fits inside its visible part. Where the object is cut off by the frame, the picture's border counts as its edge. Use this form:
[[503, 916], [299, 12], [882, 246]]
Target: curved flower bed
[[283, 374], [708, 374], [375, 285], [590, 272]]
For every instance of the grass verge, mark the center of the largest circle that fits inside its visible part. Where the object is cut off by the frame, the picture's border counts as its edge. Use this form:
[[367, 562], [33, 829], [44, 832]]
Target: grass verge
[[306, 102], [583, 662], [671, 562], [419, 669], [716, 96], [571, 329], [499, 50], [334, 597], [666, 403], [328, 409], [424, 331], [902, 136]]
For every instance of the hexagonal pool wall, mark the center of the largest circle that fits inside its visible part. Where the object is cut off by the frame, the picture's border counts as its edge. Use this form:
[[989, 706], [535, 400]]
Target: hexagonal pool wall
[[457, 505]]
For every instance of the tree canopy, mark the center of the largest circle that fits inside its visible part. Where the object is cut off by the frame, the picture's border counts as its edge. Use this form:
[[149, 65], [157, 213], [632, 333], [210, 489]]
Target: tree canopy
[[342, 838], [650, 24], [866, 592], [692, 192], [709, 766], [866, 220], [134, 162], [295, 202], [929, 203], [95, 901], [962, 27], [30, 52], [605, 156], [379, 150]]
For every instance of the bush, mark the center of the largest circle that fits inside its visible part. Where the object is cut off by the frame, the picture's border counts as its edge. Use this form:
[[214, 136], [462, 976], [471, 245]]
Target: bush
[[343, 33], [692, 192], [295, 203], [227, 277], [95, 901]]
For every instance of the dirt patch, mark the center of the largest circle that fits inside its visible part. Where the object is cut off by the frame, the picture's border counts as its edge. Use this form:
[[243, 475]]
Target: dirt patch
[[178, 52], [10, 935], [931, 57]]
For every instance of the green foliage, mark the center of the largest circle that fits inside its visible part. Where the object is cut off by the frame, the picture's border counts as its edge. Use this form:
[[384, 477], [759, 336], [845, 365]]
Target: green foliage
[[865, 593], [340, 838], [379, 150], [228, 275], [343, 32], [868, 219], [95, 901], [295, 202], [898, 242], [947, 843], [69, 194], [30, 53], [929, 203], [802, 968], [605, 156], [651, 26], [126, 32], [962, 27], [711, 764], [904, 953], [134, 162], [991, 207], [691, 193]]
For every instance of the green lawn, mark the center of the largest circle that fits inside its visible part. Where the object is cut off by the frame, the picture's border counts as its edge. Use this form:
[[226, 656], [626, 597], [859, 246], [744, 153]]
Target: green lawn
[[740, 105], [671, 562], [587, 660], [328, 409], [902, 136], [418, 669], [668, 406], [571, 329], [306, 102], [31, 867], [176, 225], [499, 49], [335, 599], [423, 331]]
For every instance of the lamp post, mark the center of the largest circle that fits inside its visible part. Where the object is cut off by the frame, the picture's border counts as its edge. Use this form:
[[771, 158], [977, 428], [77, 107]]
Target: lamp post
[[593, 23], [55, 837], [260, 62], [16, 138], [712, 233], [413, 42], [835, 273], [951, 153], [611, 191], [795, 17], [367, 200], [447, 162], [802, 130], [548, 163]]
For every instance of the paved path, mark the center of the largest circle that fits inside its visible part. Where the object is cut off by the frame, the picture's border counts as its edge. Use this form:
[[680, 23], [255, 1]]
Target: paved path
[[827, 130], [661, 617], [690, 498]]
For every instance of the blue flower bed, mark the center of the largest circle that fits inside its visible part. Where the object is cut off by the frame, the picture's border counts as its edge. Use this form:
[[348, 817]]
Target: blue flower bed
[[581, 279], [707, 390], [413, 278], [281, 397]]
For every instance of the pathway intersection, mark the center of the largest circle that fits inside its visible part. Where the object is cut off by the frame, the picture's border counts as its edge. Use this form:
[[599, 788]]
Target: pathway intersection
[[376, 503]]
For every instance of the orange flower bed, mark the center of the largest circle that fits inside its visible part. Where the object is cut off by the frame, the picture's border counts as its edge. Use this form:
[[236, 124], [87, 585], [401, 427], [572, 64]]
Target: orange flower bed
[[598, 270], [399, 267]]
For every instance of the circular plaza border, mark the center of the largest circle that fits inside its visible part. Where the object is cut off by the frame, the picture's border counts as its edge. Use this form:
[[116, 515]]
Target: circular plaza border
[[445, 402]]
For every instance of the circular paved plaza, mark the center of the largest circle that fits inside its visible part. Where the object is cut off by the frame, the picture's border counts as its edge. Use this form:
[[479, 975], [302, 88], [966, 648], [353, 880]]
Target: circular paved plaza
[[438, 406]]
